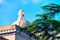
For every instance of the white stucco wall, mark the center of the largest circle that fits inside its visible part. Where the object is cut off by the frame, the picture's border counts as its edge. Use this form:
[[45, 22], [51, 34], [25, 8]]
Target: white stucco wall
[[10, 37]]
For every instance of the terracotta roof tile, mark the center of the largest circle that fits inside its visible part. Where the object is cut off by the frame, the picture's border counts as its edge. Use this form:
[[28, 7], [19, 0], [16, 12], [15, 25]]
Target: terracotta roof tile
[[2, 28]]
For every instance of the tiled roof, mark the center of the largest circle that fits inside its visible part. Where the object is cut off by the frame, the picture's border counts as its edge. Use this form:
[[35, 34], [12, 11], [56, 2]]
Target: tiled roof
[[3, 28]]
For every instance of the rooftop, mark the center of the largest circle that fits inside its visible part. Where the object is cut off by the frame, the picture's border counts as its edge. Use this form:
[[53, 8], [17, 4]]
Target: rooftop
[[4, 28]]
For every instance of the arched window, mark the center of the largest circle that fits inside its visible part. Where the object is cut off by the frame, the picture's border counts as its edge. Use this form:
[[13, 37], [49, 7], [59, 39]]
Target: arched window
[[22, 15]]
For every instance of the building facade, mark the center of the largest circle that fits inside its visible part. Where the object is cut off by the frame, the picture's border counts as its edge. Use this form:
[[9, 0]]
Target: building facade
[[12, 32]]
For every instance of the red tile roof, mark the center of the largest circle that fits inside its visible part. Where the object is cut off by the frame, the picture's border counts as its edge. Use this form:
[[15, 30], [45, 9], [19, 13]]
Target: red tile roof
[[3, 28]]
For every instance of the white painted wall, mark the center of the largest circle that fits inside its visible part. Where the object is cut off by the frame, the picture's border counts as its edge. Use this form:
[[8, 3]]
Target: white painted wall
[[10, 37]]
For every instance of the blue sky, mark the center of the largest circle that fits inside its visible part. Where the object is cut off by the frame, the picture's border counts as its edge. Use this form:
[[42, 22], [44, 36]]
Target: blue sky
[[9, 9]]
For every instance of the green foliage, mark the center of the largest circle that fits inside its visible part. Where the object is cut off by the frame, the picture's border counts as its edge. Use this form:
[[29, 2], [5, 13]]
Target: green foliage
[[53, 9], [46, 22]]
